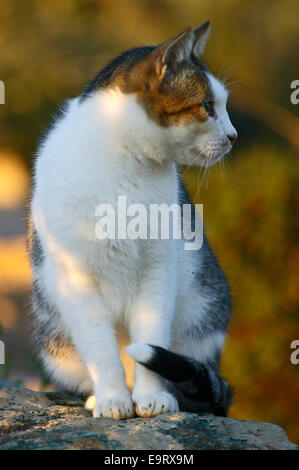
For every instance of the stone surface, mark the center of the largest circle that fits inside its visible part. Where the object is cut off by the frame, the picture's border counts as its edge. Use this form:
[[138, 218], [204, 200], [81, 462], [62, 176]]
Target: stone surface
[[36, 420]]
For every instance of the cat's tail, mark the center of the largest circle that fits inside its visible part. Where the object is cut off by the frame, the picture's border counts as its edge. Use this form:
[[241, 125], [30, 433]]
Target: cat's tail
[[199, 386]]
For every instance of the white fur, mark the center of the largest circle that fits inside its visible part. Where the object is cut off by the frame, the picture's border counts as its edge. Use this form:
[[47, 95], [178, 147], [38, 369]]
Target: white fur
[[220, 94], [140, 352], [203, 350], [203, 144], [102, 148]]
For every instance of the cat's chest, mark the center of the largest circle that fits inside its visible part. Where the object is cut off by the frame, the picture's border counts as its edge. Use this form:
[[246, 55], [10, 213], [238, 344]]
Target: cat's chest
[[123, 205], [145, 187], [111, 211], [131, 204]]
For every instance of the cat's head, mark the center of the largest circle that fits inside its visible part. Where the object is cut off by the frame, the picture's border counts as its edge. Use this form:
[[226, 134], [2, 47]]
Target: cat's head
[[178, 93]]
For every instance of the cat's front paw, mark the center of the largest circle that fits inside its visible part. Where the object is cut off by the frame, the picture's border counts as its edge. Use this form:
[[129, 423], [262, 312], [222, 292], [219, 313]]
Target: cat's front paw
[[155, 404], [116, 408]]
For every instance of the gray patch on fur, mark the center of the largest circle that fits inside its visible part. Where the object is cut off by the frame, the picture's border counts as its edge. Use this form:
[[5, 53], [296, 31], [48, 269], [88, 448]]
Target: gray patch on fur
[[49, 332], [36, 251], [211, 282]]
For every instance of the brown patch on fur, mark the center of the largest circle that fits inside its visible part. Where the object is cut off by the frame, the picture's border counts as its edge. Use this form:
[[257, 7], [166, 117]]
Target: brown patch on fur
[[59, 346], [174, 99]]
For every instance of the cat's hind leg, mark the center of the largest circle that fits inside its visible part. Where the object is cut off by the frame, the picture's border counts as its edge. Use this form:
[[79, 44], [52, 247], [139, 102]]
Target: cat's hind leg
[[54, 348]]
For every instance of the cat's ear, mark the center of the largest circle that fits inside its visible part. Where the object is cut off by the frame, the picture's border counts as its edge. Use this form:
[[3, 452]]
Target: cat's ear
[[201, 35], [181, 47], [174, 50]]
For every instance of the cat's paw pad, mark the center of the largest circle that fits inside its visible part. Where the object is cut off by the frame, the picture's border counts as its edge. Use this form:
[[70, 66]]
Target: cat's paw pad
[[115, 408], [155, 404]]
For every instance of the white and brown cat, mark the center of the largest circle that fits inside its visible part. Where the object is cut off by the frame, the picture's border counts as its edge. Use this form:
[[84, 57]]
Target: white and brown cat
[[149, 110]]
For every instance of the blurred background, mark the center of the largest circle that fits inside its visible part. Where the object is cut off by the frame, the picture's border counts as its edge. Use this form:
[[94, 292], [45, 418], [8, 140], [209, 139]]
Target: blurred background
[[50, 49]]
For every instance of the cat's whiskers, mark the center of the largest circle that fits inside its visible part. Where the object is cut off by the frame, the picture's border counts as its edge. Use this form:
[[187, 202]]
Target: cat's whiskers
[[189, 166], [233, 85], [207, 177], [225, 72], [202, 180], [229, 162], [197, 179]]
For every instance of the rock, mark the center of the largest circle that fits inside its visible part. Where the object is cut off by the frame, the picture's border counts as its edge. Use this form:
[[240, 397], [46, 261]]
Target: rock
[[37, 420]]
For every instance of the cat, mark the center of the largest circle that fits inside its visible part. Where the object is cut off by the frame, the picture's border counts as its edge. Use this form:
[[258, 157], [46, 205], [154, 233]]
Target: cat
[[148, 111]]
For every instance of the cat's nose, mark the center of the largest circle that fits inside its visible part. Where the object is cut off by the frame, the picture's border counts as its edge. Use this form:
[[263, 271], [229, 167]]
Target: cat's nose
[[233, 138]]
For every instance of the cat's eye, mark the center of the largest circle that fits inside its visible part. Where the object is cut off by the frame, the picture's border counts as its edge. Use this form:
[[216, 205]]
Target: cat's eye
[[208, 106]]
